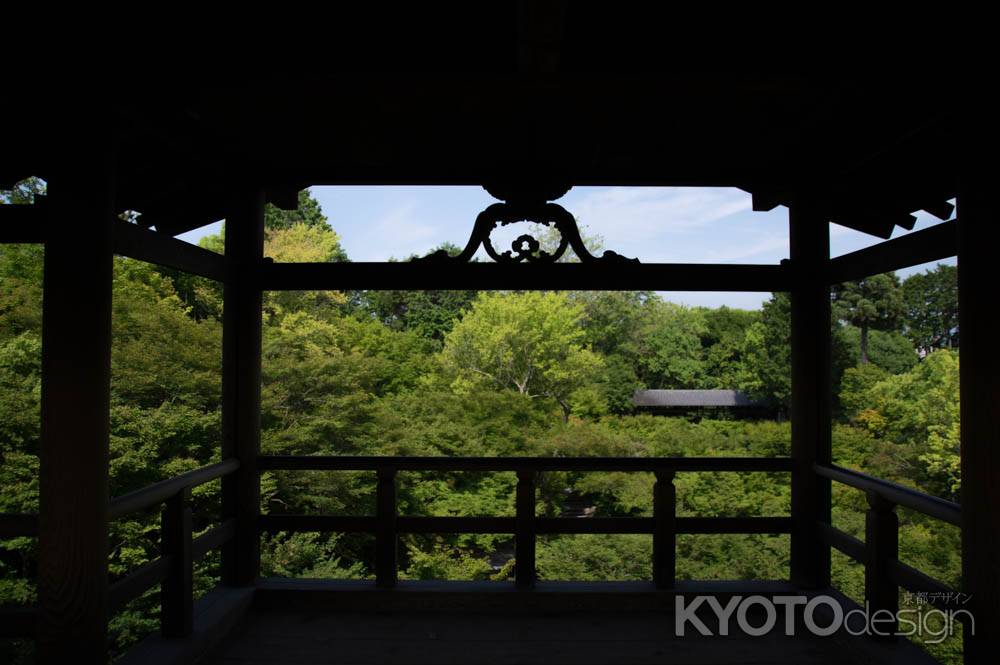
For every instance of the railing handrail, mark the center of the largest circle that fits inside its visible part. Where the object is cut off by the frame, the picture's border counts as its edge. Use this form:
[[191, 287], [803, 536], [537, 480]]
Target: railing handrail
[[664, 524], [159, 492], [629, 464], [932, 506]]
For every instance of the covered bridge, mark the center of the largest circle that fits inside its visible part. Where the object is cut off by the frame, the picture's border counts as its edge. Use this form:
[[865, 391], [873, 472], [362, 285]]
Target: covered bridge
[[682, 401]]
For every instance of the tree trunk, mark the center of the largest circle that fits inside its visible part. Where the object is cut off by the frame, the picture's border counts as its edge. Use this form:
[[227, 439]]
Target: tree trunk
[[864, 345], [566, 409]]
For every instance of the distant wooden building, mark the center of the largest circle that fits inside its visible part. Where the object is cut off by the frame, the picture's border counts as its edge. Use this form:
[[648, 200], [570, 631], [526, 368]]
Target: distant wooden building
[[678, 402]]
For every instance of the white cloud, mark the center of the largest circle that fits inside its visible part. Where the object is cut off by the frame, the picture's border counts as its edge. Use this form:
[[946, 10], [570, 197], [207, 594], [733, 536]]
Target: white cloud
[[640, 214], [767, 246], [398, 232]]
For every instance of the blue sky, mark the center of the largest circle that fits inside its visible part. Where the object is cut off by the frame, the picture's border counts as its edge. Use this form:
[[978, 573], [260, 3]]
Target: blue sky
[[654, 224]]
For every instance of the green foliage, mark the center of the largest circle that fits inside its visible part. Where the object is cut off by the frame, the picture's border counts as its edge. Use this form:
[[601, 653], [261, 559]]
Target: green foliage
[[591, 557], [872, 303], [669, 353], [768, 352], [931, 308], [430, 314], [530, 342], [20, 289], [890, 350], [308, 215], [732, 337], [918, 412]]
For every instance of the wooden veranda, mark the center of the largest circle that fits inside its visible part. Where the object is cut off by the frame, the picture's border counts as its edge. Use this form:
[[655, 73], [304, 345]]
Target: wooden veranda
[[549, 95]]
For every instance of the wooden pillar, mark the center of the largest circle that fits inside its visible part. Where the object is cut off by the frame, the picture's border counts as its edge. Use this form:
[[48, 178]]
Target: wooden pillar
[[881, 548], [386, 539], [665, 530], [978, 243], [241, 351], [524, 536], [809, 240], [76, 382], [177, 591]]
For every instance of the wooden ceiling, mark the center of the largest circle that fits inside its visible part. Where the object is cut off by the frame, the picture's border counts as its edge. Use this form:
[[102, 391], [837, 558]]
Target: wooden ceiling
[[530, 92]]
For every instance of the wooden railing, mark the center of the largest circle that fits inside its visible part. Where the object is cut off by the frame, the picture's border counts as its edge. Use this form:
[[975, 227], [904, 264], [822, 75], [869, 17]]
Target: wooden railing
[[173, 569], [885, 574], [525, 525]]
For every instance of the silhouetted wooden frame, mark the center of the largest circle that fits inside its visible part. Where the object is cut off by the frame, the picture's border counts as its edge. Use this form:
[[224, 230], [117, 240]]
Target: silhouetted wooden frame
[[664, 525], [246, 274]]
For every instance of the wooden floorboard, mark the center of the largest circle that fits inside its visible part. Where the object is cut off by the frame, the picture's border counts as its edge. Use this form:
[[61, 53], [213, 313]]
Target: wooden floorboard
[[553, 638]]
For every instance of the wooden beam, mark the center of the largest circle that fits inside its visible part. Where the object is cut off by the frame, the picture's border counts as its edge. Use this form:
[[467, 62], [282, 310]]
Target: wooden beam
[[493, 276], [540, 28], [843, 542], [386, 536], [136, 242], [76, 381], [177, 591], [285, 198], [23, 224], [150, 495], [873, 224], [978, 239], [664, 530], [212, 539], [946, 511], [881, 548], [942, 210], [525, 528], [15, 525], [635, 464], [809, 241], [931, 244], [241, 351], [137, 582]]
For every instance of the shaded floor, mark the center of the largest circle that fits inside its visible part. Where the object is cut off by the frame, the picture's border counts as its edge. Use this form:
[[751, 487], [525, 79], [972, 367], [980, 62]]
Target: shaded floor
[[413, 637]]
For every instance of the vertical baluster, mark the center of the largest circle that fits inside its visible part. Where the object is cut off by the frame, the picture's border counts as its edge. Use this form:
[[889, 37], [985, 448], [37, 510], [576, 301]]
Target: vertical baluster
[[882, 546], [664, 530], [524, 538], [176, 599], [385, 535]]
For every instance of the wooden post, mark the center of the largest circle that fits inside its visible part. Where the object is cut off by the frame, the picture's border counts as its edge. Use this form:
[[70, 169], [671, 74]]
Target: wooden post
[[881, 547], [76, 383], [978, 241], [386, 540], [809, 240], [664, 530], [241, 351], [176, 594], [524, 536]]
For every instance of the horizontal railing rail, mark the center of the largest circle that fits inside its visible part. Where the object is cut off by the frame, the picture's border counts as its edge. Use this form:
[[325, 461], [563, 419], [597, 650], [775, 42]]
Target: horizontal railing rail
[[543, 525], [885, 574], [932, 506], [525, 525], [174, 568], [634, 464], [156, 493]]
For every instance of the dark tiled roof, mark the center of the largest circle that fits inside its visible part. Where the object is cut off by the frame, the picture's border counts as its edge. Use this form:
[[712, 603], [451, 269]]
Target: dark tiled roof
[[693, 398]]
